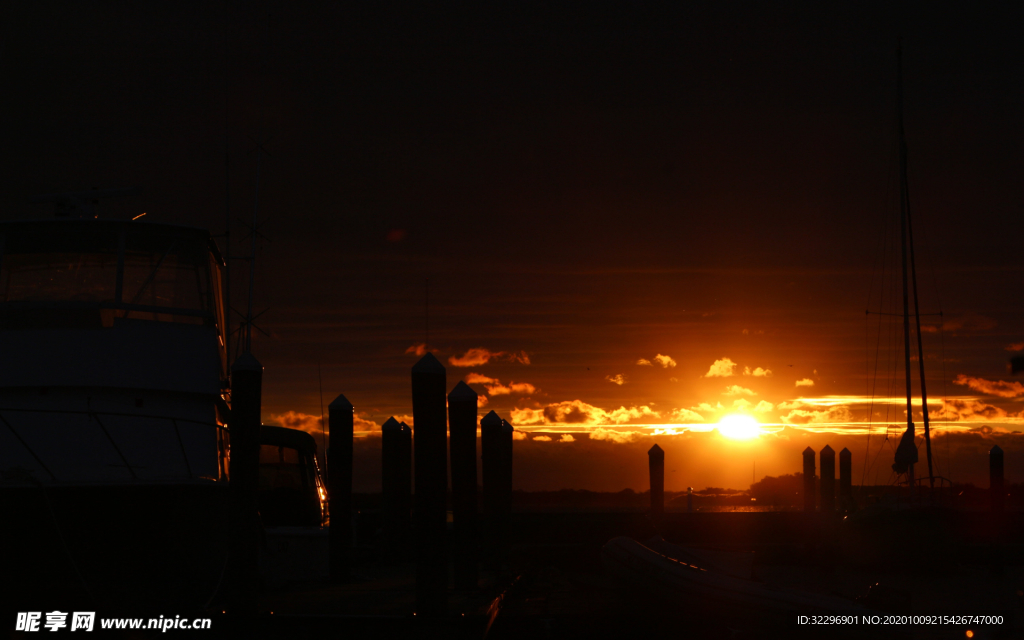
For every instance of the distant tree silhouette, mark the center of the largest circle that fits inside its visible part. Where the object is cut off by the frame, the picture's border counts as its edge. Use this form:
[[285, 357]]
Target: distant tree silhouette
[[779, 492]]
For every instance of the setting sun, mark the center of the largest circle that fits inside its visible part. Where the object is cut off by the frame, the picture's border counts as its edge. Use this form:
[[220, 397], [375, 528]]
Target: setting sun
[[739, 427]]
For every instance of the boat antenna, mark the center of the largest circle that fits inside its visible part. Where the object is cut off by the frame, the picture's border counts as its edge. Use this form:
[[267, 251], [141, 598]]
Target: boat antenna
[[256, 199], [227, 214]]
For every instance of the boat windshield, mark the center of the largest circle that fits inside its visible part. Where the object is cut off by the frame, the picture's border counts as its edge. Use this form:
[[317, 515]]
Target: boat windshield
[[162, 271], [59, 266], [283, 468], [137, 273]]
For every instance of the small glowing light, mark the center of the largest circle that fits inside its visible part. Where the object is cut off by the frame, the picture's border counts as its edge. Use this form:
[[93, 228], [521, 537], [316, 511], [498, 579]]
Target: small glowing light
[[970, 634], [139, 216], [739, 427]]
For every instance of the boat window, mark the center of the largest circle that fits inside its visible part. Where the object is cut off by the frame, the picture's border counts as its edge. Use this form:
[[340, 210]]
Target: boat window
[[162, 271], [281, 468], [56, 266]]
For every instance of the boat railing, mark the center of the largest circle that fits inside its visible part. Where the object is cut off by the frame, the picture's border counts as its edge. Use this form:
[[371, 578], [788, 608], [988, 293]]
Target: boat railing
[[95, 416]]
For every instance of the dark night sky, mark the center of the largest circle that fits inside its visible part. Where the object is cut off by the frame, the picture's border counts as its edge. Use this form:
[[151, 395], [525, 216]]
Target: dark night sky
[[590, 183]]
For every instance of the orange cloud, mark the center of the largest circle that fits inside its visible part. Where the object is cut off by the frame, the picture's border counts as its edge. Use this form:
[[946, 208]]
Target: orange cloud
[[685, 415], [519, 435], [664, 361], [312, 424], [481, 356], [481, 401], [741, 405], [474, 358], [992, 387], [721, 369], [618, 379], [579, 412], [806, 382], [567, 438], [522, 388], [737, 390], [542, 438], [495, 388], [613, 435], [969, 322], [757, 373], [968, 409], [420, 349], [644, 362], [832, 414], [1016, 346], [764, 407]]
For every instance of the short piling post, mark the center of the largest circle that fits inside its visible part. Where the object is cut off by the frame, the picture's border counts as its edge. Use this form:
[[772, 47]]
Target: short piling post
[[393, 494], [828, 480], [340, 418], [689, 499], [405, 483], [430, 422], [505, 487], [846, 503], [996, 485], [656, 462], [490, 458], [245, 425], [809, 480], [462, 412]]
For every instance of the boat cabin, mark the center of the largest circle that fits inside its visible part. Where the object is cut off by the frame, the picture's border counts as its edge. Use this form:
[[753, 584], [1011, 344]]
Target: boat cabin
[[113, 369], [291, 491]]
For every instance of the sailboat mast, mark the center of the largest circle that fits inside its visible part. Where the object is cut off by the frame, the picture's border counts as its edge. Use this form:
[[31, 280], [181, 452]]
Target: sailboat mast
[[917, 310], [903, 235]]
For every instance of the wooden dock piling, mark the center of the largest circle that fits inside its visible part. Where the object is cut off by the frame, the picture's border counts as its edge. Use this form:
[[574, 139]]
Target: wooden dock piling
[[245, 425], [462, 418], [828, 480], [846, 503], [340, 418], [808, 480], [656, 462], [430, 422], [505, 489], [395, 470]]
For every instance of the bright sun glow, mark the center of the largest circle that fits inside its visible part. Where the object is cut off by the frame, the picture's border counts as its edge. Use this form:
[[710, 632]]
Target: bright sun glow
[[739, 427]]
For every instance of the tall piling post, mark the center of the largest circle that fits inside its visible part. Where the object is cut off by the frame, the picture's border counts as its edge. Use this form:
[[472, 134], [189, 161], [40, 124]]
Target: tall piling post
[[996, 484], [809, 480], [245, 425], [340, 418], [462, 414], [656, 462], [393, 495], [828, 480], [490, 458], [846, 503], [430, 423]]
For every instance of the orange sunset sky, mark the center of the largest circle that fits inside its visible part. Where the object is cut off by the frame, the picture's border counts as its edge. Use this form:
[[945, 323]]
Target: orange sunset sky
[[619, 225]]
